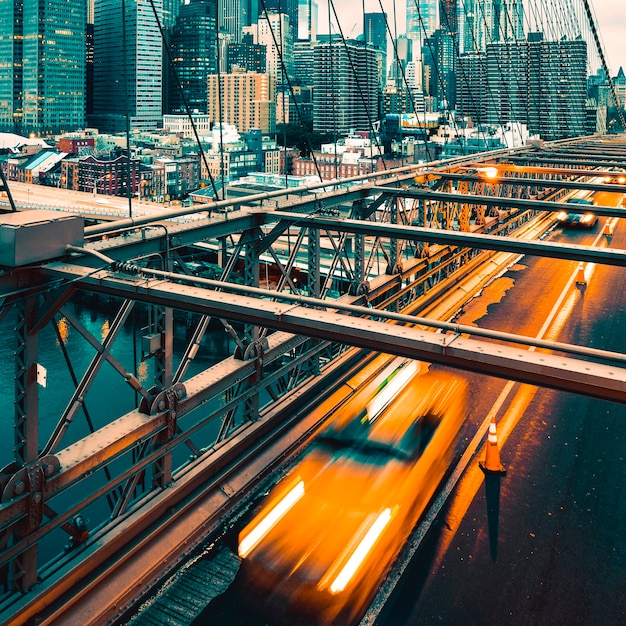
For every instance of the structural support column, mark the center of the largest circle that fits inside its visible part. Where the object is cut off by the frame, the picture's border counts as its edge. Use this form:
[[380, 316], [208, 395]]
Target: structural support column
[[163, 324], [24, 567], [314, 259], [254, 347], [359, 254]]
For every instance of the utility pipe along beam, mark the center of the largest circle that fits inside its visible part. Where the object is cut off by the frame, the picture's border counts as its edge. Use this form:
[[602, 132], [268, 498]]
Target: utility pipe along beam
[[568, 158]]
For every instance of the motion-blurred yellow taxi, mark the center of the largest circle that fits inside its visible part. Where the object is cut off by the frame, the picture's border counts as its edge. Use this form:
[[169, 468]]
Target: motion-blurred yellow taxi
[[319, 547]]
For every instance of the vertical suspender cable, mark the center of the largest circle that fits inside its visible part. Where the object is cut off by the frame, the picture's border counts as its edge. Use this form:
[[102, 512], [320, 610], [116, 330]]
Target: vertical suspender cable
[[219, 99], [594, 32], [183, 96], [129, 192]]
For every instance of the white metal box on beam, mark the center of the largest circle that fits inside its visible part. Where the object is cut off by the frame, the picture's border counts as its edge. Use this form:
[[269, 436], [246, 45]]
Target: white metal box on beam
[[34, 236]]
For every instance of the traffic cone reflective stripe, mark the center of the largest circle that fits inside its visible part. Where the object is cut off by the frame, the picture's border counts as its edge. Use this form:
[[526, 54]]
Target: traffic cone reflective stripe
[[492, 464], [580, 275]]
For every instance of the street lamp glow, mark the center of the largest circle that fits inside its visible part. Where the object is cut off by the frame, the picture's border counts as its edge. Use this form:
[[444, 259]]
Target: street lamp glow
[[489, 172], [95, 185]]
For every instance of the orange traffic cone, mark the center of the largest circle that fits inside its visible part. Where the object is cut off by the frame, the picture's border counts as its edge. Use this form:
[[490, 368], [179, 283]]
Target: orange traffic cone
[[492, 464], [608, 228], [580, 275]]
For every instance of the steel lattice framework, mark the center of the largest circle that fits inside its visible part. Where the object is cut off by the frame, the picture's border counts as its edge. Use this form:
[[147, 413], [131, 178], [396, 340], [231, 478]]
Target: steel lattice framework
[[308, 280]]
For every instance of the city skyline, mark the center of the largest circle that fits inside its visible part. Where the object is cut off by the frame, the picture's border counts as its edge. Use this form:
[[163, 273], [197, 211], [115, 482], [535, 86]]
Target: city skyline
[[610, 17]]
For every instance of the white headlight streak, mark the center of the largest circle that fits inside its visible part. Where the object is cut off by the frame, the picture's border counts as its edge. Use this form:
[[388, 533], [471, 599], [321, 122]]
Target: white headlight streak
[[391, 389], [362, 550], [270, 520]]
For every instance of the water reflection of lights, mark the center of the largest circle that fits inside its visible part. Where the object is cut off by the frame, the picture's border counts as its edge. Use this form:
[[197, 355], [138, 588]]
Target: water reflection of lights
[[469, 484], [105, 329], [64, 330]]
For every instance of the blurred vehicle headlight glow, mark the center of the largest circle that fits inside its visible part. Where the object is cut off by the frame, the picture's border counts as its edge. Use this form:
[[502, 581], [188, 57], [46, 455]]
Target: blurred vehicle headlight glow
[[562, 215], [361, 551], [270, 520], [391, 389]]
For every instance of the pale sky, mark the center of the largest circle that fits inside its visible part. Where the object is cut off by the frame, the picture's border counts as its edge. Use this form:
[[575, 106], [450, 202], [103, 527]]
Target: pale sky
[[610, 16]]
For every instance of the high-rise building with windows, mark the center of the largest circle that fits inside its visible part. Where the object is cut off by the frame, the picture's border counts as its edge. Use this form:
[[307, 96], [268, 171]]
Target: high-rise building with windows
[[421, 22], [234, 15], [275, 33], [307, 20], [508, 20], [244, 99], [345, 87], [375, 35], [439, 66], [128, 62], [246, 55], [539, 83], [288, 7], [491, 21], [194, 55], [449, 16], [42, 66]]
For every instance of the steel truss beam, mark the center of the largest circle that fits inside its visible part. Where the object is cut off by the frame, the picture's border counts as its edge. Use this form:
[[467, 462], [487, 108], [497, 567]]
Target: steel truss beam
[[468, 354], [609, 256]]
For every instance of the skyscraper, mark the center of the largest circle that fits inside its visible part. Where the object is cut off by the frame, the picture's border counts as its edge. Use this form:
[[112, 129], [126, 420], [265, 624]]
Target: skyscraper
[[491, 21], [42, 67], [375, 35], [307, 20], [536, 82], [340, 105], [127, 65], [449, 16], [275, 33], [289, 7], [235, 14], [508, 22], [421, 22], [194, 55]]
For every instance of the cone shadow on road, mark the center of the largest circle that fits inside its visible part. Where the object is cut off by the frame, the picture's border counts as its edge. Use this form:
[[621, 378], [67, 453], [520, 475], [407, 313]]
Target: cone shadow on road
[[492, 498]]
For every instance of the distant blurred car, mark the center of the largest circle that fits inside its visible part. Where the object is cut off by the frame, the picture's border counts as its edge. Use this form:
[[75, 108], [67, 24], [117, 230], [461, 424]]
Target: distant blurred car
[[324, 538], [580, 218], [617, 177]]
